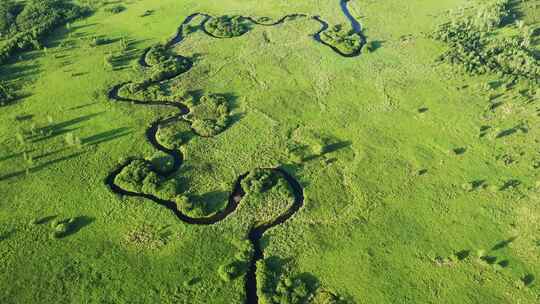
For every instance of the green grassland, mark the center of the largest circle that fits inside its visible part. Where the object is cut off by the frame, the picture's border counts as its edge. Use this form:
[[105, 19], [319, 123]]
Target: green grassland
[[420, 180]]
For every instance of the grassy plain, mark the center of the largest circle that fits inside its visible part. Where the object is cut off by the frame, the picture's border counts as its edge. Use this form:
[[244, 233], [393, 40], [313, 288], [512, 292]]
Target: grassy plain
[[408, 202]]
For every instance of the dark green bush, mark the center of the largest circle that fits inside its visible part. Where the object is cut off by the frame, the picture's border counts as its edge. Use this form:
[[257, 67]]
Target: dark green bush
[[139, 177], [174, 135], [258, 180], [165, 65], [135, 176], [170, 67], [230, 271], [156, 54], [115, 9], [345, 40], [162, 162], [275, 287], [189, 207], [209, 115], [62, 227], [227, 26]]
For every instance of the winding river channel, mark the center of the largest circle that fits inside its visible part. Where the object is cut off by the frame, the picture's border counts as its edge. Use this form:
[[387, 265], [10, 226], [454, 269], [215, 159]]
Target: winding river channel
[[237, 193]]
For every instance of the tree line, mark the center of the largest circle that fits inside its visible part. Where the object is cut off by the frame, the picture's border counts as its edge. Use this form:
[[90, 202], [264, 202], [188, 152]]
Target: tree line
[[474, 46], [23, 25]]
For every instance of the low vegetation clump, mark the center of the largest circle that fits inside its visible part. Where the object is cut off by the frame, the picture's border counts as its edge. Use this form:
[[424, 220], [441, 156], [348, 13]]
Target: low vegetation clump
[[170, 67], [474, 46], [115, 9], [258, 180], [238, 266], [326, 297], [23, 25], [343, 39], [145, 91], [227, 26], [163, 66], [62, 227], [140, 176], [231, 271], [191, 207], [174, 135], [145, 237], [267, 196], [162, 162], [209, 115], [136, 175], [274, 287]]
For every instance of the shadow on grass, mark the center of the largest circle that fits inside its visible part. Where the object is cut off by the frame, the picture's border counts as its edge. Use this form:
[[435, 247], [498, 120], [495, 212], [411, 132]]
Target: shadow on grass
[[61, 128], [106, 136], [39, 167], [504, 243], [6, 235], [78, 223]]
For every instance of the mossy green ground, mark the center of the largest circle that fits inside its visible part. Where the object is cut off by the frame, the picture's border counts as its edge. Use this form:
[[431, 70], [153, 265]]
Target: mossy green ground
[[408, 180]]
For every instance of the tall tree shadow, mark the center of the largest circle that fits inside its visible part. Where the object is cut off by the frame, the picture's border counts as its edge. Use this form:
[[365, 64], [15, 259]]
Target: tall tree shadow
[[39, 167], [57, 129], [106, 136]]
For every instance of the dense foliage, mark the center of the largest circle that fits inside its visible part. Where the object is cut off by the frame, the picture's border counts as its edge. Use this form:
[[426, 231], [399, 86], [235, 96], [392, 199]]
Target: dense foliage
[[24, 25], [345, 40], [227, 26], [209, 115], [258, 180], [173, 136], [274, 287], [474, 47], [162, 66], [140, 176]]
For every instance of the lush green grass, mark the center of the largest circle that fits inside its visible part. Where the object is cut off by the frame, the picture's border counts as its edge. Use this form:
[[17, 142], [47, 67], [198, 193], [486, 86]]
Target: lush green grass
[[405, 164]]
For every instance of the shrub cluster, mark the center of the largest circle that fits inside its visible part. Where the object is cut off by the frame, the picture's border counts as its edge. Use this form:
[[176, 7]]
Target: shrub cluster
[[63, 227], [190, 207], [139, 176], [238, 266], [145, 237], [231, 271], [277, 288], [174, 135], [258, 180], [23, 26], [227, 26], [169, 68], [209, 115], [326, 297], [345, 40], [164, 65], [492, 14], [115, 9], [162, 162], [473, 47]]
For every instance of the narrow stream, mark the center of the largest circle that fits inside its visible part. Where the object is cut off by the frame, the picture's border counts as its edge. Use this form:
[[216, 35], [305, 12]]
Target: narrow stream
[[237, 193]]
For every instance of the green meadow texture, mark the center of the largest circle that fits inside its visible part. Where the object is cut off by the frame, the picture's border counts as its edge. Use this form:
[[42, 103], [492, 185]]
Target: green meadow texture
[[272, 152]]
